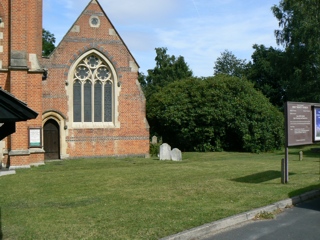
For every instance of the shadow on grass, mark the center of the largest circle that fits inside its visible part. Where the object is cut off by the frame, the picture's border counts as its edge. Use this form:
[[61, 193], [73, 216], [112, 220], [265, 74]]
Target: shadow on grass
[[312, 204], [260, 177], [304, 190]]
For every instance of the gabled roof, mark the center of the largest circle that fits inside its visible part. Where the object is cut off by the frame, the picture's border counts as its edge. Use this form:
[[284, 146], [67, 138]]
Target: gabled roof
[[97, 2], [14, 110]]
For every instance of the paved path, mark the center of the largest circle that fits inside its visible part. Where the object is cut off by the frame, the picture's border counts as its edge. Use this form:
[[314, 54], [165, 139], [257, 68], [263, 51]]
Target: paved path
[[299, 222], [305, 218]]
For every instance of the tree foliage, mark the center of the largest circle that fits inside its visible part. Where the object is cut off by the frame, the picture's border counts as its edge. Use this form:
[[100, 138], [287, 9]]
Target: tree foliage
[[216, 113], [299, 33], [229, 64], [299, 21], [168, 69], [48, 41], [269, 71]]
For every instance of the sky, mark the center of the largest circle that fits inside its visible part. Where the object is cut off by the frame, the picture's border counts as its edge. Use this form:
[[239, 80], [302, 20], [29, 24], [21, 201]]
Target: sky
[[198, 30]]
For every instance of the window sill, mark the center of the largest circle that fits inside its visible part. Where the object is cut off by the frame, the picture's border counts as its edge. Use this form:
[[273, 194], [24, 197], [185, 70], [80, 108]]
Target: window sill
[[82, 125]]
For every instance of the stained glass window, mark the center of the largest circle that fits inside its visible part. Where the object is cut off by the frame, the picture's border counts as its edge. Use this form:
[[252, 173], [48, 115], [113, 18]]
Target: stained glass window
[[93, 91], [98, 101], [108, 102], [87, 101], [77, 101]]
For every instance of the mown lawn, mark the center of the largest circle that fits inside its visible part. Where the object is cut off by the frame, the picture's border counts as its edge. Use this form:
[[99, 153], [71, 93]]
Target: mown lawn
[[137, 198]]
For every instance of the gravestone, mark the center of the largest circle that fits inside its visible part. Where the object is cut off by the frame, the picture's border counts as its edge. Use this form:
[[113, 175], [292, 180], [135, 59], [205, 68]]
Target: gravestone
[[176, 155], [154, 140], [300, 156], [165, 152]]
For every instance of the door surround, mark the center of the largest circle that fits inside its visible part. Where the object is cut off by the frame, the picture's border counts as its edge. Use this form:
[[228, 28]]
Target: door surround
[[51, 140], [63, 130]]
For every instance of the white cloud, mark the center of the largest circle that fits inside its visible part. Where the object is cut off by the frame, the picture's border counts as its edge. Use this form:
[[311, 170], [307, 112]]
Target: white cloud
[[199, 30], [202, 40], [140, 11]]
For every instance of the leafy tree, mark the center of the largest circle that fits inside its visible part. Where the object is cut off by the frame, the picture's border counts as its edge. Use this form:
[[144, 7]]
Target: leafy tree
[[168, 69], [216, 113], [269, 72], [48, 41], [142, 80], [299, 21], [299, 34], [229, 64]]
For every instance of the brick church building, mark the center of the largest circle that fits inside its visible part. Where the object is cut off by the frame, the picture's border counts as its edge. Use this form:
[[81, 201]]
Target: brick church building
[[86, 93]]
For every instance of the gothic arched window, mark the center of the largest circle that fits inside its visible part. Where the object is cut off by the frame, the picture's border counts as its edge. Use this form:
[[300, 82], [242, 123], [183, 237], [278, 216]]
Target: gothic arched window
[[92, 91]]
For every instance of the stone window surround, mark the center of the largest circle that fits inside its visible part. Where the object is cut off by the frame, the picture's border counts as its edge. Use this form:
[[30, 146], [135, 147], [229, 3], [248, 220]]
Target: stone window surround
[[94, 24], [116, 92]]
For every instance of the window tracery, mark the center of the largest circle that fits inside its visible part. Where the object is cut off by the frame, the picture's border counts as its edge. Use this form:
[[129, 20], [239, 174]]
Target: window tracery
[[92, 91]]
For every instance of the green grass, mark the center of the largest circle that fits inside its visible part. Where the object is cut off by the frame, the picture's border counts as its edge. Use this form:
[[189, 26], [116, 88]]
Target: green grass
[[137, 198]]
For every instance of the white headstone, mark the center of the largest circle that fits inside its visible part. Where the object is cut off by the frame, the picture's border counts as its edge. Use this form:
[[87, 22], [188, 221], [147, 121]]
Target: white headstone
[[165, 152], [154, 140], [176, 155]]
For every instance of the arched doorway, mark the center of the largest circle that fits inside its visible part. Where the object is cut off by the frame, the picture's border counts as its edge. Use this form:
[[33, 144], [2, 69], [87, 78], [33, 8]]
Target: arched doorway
[[51, 140]]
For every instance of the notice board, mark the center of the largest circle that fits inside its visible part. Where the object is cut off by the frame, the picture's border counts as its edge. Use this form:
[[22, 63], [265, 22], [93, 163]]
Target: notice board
[[299, 123]]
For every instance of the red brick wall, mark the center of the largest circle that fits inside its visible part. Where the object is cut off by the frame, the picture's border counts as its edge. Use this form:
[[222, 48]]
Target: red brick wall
[[25, 21], [132, 138], [4, 57], [34, 27], [4, 42]]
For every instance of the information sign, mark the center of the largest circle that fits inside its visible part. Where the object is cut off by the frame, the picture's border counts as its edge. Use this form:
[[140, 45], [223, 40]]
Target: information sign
[[35, 137], [299, 124]]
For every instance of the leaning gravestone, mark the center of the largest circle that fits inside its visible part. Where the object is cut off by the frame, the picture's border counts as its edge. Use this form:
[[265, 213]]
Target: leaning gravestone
[[154, 140], [165, 152], [176, 155]]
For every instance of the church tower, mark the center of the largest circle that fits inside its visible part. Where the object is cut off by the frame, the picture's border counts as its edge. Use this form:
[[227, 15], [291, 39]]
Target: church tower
[[21, 75]]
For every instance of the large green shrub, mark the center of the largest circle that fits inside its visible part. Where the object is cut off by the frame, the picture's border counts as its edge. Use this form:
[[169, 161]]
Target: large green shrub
[[214, 114]]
